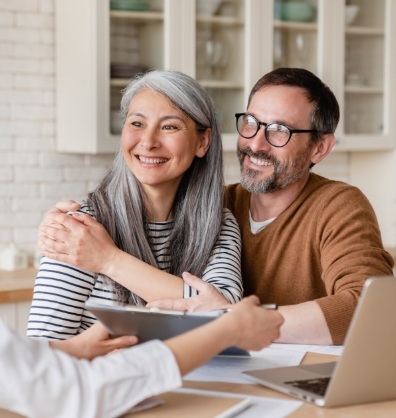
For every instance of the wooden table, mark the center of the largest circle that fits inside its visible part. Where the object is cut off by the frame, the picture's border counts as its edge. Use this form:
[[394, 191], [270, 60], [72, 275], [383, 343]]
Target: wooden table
[[179, 406], [176, 408]]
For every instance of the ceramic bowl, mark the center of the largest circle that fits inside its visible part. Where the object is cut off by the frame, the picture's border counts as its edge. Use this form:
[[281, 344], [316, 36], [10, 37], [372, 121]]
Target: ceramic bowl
[[296, 11], [351, 11]]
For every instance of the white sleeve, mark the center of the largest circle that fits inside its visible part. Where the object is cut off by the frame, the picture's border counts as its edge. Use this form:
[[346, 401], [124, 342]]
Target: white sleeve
[[38, 381], [224, 268]]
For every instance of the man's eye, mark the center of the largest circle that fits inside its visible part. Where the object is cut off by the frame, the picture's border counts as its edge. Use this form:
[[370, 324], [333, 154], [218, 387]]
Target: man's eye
[[136, 124]]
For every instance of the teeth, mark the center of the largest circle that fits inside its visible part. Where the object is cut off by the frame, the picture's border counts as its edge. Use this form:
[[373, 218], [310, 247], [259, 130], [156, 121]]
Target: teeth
[[152, 160], [257, 161]]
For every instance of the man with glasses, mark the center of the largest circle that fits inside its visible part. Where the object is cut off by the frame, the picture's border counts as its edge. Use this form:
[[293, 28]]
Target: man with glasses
[[308, 242]]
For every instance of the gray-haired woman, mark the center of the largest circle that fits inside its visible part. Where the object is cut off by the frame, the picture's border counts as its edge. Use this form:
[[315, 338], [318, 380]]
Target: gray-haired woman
[[159, 212]]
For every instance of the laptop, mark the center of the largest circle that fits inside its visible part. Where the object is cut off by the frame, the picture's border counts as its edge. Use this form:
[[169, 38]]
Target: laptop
[[366, 370]]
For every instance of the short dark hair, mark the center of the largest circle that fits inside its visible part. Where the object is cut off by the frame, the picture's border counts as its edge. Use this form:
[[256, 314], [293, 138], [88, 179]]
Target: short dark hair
[[326, 112]]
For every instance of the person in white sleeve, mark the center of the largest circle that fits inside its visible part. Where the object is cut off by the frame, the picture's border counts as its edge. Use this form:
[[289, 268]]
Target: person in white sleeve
[[38, 379]]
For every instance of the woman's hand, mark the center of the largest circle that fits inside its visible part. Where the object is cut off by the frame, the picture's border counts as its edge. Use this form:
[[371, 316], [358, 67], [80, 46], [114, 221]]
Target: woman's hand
[[93, 342]]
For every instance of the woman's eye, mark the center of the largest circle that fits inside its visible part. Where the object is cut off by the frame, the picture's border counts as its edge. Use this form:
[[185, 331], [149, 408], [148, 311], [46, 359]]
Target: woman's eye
[[136, 124], [169, 127]]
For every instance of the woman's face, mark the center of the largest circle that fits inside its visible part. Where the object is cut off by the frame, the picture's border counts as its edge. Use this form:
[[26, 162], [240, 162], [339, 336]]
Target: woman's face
[[159, 141]]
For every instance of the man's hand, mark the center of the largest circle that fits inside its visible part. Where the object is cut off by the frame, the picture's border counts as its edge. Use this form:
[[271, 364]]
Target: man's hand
[[76, 239], [93, 342], [208, 298]]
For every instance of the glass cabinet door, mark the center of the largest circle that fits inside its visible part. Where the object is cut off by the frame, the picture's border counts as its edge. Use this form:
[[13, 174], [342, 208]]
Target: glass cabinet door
[[295, 34], [136, 45], [364, 67], [220, 56]]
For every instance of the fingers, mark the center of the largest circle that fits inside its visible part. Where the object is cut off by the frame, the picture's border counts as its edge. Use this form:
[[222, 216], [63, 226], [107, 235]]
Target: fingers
[[122, 342], [175, 304], [195, 282], [65, 206]]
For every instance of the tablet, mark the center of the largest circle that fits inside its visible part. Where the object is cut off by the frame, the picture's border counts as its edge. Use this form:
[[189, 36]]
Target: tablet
[[152, 323]]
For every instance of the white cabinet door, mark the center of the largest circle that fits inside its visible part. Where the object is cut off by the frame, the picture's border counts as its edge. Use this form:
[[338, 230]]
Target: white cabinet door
[[354, 57], [100, 47]]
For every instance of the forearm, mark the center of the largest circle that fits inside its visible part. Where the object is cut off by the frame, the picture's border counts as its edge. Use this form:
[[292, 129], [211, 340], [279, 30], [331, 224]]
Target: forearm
[[304, 324], [46, 382], [147, 281], [57, 306], [201, 344]]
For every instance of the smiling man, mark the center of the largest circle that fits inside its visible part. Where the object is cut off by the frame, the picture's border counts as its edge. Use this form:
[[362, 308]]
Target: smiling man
[[308, 242]]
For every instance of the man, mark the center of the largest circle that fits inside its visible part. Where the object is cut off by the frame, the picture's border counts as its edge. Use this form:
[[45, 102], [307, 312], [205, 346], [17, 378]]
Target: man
[[308, 243], [37, 380]]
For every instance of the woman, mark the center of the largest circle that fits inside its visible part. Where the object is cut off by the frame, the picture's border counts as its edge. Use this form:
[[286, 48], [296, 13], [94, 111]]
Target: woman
[[160, 205], [38, 381]]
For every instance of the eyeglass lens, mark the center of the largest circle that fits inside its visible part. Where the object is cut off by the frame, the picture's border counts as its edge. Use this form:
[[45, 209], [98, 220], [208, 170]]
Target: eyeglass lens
[[276, 134]]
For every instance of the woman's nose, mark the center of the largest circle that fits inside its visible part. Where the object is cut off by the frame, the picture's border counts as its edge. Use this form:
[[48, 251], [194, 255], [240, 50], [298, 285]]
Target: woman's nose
[[149, 139]]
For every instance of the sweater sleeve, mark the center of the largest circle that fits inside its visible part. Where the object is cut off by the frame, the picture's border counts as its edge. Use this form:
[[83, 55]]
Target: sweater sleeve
[[351, 250]]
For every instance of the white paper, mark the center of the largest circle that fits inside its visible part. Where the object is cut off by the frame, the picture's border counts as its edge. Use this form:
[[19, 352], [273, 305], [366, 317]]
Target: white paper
[[259, 406], [323, 349], [229, 368]]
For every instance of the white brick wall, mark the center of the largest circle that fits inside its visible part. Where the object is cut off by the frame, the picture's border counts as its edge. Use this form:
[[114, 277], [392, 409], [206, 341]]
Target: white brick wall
[[32, 175]]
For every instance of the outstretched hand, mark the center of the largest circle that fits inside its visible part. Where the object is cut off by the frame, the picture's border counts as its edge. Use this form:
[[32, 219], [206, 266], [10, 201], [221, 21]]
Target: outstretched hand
[[93, 342], [208, 297], [254, 326]]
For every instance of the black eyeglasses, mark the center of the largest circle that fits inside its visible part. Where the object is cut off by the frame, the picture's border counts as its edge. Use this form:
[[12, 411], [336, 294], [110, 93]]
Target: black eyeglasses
[[276, 134]]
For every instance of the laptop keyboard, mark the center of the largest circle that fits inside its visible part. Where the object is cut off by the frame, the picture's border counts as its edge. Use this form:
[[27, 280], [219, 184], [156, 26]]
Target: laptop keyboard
[[317, 386]]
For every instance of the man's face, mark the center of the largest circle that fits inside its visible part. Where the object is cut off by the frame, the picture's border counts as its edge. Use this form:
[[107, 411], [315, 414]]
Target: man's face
[[265, 168]]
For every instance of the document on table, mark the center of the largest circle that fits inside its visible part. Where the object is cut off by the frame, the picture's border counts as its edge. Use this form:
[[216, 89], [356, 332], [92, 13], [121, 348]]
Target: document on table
[[322, 349], [229, 368], [256, 406]]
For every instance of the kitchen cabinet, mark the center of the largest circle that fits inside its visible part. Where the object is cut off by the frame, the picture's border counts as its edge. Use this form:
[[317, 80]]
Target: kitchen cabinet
[[354, 57], [227, 50]]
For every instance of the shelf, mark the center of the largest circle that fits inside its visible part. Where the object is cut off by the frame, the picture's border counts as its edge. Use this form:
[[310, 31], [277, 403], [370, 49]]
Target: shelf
[[218, 84], [280, 24], [220, 20], [142, 17], [363, 89], [364, 31]]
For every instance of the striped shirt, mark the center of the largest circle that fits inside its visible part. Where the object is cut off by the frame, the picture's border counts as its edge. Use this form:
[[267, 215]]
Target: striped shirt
[[61, 290]]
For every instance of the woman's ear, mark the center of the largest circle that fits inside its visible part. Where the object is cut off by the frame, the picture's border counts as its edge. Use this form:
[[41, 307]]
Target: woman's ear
[[322, 148], [204, 143]]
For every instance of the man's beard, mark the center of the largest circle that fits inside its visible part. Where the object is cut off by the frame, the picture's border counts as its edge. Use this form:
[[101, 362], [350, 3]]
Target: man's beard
[[282, 176]]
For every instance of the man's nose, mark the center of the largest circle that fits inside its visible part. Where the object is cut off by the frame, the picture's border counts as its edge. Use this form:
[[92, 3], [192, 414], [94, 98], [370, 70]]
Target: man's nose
[[258, 142]]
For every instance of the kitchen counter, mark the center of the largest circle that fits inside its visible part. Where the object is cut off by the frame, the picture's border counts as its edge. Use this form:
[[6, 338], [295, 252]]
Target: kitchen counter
[[17, 286]]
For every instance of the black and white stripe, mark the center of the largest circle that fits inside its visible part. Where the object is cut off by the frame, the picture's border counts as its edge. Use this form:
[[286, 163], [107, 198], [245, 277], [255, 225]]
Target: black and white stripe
[[61, 290]]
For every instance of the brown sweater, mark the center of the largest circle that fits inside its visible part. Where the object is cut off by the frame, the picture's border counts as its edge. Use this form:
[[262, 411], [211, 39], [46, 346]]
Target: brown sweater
[[320, 248]]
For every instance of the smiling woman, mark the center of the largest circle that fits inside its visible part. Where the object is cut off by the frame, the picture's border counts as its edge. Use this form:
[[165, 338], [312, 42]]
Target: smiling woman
[[157, 213]]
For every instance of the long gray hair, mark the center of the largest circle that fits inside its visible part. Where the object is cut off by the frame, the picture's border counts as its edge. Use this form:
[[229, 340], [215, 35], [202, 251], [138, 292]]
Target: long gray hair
[[118, 201]]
